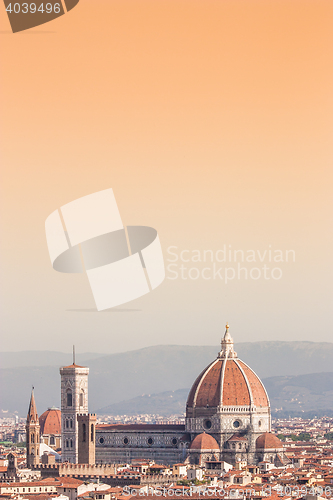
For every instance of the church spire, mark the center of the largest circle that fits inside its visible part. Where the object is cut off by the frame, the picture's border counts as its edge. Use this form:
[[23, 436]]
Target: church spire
[[227, 345], [32, 412], [32, 433]]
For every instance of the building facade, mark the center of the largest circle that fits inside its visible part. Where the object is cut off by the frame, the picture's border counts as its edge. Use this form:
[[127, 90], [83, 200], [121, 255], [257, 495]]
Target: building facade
[[118, 443]]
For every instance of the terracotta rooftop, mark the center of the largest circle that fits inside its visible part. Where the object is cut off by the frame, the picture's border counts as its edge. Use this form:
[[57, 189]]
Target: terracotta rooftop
[[268, 441], [50, 421], [237, 437], [73, 366], [204, 442]]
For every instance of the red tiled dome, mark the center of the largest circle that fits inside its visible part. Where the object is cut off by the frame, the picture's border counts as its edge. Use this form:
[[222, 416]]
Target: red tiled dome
[[240, 386], [50, 421], [227, 381], [268, 441], [204, 442]]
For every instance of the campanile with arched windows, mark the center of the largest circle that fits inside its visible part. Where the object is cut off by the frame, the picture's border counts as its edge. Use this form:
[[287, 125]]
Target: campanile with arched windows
[[74, 402]]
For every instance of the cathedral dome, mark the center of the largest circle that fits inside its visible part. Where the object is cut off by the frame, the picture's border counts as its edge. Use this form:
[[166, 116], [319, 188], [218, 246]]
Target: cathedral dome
[[268, 441], [204, 442], [227, 381], [50, 421]]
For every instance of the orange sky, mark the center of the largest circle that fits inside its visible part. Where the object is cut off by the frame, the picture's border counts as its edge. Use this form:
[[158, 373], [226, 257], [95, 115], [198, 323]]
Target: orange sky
[[212, 122]]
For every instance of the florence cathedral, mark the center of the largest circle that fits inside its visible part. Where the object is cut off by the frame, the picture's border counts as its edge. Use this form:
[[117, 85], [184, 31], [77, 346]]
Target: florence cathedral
[[228, 418]]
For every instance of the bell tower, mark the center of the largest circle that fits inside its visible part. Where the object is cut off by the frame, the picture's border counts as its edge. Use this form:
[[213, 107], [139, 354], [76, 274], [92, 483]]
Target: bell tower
[[32, 434], [74, 402], [86, 446]]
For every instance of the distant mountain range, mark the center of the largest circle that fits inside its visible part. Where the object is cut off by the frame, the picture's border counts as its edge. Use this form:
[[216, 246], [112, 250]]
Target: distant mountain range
[[295, 395], [154, 370]]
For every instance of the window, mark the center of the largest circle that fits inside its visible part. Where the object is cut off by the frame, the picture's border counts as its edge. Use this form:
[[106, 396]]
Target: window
[[66, 443], [83, 432], [92, 433], [150, 441], [71, 443], [69, 398], [236, 424], [81, 398], [207, 424], [71, 424], [52, 440], [125, 440], [101, 440], [32, 438], [67, 423]]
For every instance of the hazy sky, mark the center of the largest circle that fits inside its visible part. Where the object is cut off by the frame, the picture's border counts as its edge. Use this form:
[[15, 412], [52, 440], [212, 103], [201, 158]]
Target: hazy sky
[[212, 122]]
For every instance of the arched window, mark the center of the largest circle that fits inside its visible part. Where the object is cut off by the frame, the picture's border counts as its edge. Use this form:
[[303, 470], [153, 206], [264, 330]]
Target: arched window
[[83, 432], [32, 438], [69, 398], [52, 441], [81, 398], [92, 433], [71, 423], [71, 443], [66, 443], [67, 423]]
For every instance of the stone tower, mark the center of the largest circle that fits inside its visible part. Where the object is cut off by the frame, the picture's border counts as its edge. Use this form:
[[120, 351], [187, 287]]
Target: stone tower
[[74, 402], [86, 445], [12, 466], [32, 434]]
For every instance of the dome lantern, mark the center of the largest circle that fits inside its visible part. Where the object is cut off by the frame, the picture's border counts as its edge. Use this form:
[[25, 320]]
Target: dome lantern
[[227, 345]]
